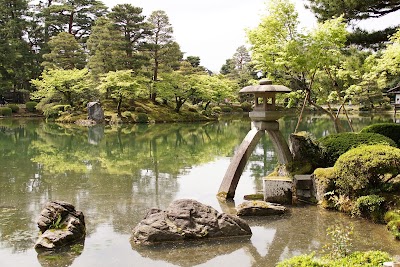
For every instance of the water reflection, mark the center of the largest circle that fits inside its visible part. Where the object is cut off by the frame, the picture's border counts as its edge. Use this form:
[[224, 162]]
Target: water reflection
[[115, 174]]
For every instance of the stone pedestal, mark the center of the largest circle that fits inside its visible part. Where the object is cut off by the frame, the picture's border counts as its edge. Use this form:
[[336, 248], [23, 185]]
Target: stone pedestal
[[278, 189]]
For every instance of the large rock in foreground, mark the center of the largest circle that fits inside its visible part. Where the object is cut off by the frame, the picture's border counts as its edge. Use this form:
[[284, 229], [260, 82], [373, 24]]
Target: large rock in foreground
[[60, 225], [187, 219]]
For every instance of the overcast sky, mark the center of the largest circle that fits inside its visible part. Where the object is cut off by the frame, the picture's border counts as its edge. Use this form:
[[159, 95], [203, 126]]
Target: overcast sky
[[214, 29]]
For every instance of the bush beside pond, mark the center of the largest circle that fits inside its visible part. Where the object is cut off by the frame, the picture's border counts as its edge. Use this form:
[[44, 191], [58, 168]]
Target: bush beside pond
[[371, 207], [13, 107], [5, 111], [365, 259], [392, 218], [336, 144], [366, 169], [31, 106], [391, 130]]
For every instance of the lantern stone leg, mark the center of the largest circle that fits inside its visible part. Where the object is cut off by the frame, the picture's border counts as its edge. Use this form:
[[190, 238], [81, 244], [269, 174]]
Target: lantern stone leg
[[236, 167]]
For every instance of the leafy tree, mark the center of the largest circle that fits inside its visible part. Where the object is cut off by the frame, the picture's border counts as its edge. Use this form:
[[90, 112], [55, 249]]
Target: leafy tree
[[73, 16], [131, 23], [122, 85], [71, 86], [296, 59], [239, 67], [65, 53], [163, 51], [105, 46], [355, 11], [194, 61]]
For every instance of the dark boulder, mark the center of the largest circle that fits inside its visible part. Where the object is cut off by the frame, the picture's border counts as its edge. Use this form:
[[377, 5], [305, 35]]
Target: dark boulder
[[186, 220], [60, 224]]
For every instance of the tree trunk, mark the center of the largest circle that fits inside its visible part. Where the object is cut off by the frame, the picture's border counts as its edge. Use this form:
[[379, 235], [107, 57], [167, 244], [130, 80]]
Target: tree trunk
[[119, 106], [71, 22]]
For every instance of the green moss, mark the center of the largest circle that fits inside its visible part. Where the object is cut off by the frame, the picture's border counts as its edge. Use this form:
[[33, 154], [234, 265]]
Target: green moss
[[390, 130], [337, 144], [365, 170]]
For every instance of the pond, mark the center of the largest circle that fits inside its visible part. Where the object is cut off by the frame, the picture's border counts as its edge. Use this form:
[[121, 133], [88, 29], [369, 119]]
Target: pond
[[114, 174]]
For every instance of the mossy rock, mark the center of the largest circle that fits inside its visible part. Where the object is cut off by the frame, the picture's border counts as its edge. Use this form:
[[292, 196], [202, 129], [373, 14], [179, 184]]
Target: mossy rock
[[324, 182]]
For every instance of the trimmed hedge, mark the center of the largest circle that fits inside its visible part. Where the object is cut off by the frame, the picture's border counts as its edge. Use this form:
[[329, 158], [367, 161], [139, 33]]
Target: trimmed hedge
[[246, 106], [364, 170], [5, 111], [392, 218], [337, 144], [141, 118], [391, 130], [226, 109], [13, 107], [31, 106]]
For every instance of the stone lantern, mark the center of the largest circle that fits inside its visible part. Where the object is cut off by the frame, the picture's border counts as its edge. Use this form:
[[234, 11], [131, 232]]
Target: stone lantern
[[264, 100], [263, 120]]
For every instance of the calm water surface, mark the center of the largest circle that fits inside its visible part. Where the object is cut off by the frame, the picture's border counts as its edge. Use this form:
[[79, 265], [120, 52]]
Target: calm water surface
[[115, 174]]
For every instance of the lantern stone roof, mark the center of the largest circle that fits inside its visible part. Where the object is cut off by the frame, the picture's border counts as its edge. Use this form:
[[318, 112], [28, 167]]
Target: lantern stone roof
[[265, 86], [395, 90]]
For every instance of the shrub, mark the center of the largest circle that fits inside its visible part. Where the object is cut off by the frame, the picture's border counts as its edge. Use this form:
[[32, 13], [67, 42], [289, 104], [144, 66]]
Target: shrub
[[54, 111], [226, 109], [246, 106], [140, 110], [5, 111], [13, 107], [127, 114], [371, 207], [365, 259], [141, 118], [216, 109], [392, 218], [366, 169], [31, 106], [239, 110], [364, 108], [336, 144], [391, 130]]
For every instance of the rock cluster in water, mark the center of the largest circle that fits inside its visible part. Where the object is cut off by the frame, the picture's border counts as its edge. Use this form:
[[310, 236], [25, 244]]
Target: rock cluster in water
[[187, 219], [60, 224]]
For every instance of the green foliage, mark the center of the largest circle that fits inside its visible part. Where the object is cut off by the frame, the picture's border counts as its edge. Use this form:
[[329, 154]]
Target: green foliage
[[140, 110], [31, 106], [366, 169], [371, 207], [302, 261], [391, 130], [57, 223], [66, 53], [392, 218], [335, 145], [68, 86], [5, 111], [53, 111], [141, 118], [13, 107], [341, 241], [246, 106], [226, 109], [365, 259], [217, 109]]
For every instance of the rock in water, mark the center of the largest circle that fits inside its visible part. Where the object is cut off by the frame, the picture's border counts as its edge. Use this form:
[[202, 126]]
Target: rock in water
[[60, 224], [259, 208], [187, 219]]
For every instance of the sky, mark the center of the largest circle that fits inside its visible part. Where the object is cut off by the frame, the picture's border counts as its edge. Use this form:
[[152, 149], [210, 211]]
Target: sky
[[214, 29]]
